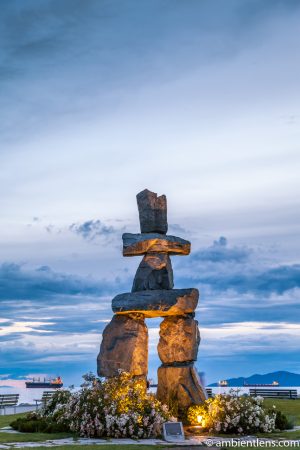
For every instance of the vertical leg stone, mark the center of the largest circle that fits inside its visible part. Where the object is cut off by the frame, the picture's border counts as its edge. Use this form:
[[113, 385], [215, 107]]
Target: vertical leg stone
[[181, 384], [179, 340], [124, 346], [178, 379]]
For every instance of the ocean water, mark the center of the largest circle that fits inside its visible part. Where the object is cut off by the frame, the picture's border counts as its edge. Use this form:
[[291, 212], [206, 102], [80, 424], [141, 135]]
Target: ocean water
[[245, 389], [30, 395], [26, 395]]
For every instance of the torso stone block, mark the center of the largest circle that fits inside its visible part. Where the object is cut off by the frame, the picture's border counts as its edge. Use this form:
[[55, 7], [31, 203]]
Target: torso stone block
[[154, 272]]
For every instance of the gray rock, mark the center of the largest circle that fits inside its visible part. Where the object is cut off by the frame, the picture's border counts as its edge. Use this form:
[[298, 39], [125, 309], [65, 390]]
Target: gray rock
[[152, 212], [179, 340], [180, 384], [139, 244], [124, 346], [154, 272], [157, 303]]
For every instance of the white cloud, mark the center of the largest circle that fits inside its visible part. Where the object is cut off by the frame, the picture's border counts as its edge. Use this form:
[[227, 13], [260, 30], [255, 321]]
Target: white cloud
[[252, 337], [24, 327]]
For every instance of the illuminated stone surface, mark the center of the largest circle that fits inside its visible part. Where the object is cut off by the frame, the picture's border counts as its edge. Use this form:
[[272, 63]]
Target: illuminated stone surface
[[180, 383], [179, 340], [154, 272], [152, 212], [157, 303], [124, 346], [125, 339], [139, 244]]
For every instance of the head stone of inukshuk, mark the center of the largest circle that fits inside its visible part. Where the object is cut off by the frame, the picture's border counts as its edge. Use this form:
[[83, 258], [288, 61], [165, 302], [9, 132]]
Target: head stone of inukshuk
[[125, 339]]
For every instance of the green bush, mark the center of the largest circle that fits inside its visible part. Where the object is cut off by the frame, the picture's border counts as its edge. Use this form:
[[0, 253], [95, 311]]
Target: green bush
[[282, 422], [25, 425], [33, 423]]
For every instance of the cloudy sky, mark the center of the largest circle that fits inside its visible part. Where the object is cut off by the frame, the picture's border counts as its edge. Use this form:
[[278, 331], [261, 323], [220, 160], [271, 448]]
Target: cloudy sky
[[199, 100]]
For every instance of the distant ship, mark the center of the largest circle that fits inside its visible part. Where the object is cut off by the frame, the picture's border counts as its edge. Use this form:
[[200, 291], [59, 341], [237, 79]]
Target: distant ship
[[274, 384], [39, 384], [223, 383]]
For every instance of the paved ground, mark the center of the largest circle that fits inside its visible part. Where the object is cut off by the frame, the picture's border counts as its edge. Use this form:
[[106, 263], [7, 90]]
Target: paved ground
[[192, 442]]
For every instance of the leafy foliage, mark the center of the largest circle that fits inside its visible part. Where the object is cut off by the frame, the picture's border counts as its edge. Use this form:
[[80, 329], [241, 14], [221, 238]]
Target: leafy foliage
[[33, 423], [116, 407], [283, 422], [233, 414]]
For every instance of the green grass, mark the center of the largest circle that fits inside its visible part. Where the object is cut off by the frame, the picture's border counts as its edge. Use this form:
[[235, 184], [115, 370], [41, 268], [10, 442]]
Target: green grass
[[290, 408], [6, 420], [31, 437], [25, 437]]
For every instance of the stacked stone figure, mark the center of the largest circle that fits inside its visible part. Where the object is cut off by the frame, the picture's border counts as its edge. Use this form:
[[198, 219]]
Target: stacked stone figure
[[125, 339]]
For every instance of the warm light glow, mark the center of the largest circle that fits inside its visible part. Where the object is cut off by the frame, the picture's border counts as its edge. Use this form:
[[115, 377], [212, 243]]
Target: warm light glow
[[197, 415]]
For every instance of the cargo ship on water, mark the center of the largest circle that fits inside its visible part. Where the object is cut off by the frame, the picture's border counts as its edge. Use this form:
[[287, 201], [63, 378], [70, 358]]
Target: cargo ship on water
[[37, 383], [273, 384], [225, 383]]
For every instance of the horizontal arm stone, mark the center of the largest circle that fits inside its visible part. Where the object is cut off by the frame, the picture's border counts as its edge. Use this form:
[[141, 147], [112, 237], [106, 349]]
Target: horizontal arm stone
[[157, 303], [139, 244]]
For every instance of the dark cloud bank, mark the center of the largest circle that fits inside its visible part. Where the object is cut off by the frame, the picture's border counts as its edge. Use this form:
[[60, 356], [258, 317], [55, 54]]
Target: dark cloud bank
[[71, 305], [220, 266], [91, 229], [115, 42]]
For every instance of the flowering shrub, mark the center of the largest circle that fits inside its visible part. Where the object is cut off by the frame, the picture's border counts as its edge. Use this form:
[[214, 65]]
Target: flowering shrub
[[116, 407], [233, 414], [54, 408]]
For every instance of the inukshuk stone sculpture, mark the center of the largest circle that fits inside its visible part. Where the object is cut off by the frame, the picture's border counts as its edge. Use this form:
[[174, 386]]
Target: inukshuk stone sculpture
[[125, 339]]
